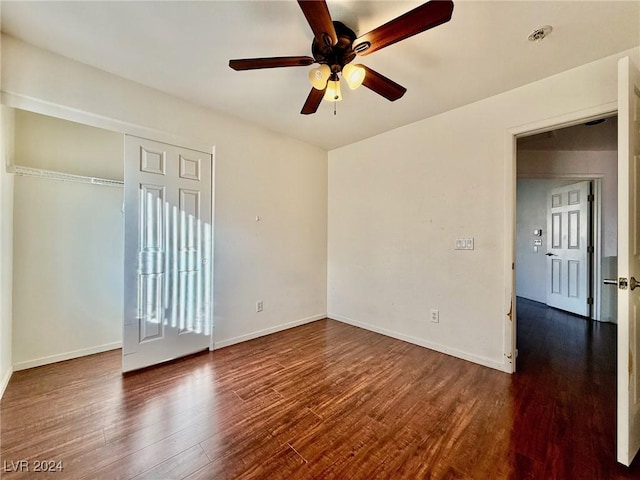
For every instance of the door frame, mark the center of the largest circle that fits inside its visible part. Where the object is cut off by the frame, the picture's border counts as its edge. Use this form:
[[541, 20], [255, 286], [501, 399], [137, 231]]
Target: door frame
[[63, 112], [511, 136]]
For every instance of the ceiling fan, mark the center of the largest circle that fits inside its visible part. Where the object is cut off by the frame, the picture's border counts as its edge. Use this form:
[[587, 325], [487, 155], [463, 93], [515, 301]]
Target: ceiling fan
[[335, 46]]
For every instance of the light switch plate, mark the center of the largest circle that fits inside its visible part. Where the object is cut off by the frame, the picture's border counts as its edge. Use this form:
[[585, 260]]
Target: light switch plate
[[467, 243]]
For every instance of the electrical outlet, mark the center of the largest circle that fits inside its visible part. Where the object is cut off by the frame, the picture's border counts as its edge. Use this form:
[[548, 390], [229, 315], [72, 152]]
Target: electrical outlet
[[435, 315], [259, 306]]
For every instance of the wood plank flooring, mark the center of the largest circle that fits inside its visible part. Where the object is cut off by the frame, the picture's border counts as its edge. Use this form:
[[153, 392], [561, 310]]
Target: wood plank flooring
[[327, 401]]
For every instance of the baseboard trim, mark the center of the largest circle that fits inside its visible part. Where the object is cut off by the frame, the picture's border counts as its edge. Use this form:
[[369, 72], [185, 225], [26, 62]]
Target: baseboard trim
[[487, 362], [267, 331], [61, 357], [5, 381]]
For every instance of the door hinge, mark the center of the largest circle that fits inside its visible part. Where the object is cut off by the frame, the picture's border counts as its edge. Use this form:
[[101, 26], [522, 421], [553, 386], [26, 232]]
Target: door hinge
[[590, 197], [590, 301], [590, 249], [513, 266]]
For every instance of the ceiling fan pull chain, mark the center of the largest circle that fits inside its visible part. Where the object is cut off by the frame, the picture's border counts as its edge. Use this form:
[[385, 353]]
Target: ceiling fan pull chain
[[334, 107]]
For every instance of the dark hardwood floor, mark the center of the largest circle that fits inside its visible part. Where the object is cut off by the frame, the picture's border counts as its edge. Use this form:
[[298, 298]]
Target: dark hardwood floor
[[327, 400]]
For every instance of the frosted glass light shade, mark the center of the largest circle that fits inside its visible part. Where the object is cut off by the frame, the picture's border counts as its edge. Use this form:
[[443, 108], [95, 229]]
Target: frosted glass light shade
[[319, 76], [354, 75], [332, 93]]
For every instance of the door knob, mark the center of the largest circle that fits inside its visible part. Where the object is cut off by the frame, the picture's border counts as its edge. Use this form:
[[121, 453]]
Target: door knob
[[549, 254], [622, 282]]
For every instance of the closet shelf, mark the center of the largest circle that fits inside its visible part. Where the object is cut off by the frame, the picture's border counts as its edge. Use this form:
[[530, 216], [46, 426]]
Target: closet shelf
[[68, 177]]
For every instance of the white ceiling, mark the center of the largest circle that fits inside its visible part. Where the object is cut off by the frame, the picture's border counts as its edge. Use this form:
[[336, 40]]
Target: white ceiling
[[183, 48]]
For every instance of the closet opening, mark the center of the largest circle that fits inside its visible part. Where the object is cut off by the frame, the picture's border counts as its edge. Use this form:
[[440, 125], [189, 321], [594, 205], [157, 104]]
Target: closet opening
[[67, 240]]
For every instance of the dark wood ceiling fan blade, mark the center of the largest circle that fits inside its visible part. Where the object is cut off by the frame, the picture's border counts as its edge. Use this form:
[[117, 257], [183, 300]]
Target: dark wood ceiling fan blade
[[270, 62], [317, 14], [382, 85], [424, 17], [313, 102]]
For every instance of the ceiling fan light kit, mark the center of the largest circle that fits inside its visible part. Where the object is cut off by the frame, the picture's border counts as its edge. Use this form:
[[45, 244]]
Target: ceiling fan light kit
[[332, 92], [335, 46], [319, 76], [354, 75]]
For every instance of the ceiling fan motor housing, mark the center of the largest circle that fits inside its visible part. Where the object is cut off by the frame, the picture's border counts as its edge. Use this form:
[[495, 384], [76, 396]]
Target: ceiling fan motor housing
[[338, 55]]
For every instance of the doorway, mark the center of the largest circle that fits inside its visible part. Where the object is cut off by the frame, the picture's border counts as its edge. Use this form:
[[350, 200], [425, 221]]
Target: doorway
[[552, 160]]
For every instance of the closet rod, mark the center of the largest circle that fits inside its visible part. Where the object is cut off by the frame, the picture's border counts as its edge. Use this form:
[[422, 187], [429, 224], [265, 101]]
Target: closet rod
[[38, 172]]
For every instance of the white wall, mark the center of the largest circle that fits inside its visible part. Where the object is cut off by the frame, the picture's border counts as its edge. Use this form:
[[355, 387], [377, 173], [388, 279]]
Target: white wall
[[398, 201], [54, 144], [281, 259], [68, 243], [6, 244]]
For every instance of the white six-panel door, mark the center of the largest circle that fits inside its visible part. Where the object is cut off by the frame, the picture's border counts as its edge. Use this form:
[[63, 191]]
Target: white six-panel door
[[168, 246], [568, 217]]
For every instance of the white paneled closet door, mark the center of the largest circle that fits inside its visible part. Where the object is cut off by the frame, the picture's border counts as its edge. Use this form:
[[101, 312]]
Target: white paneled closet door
[[168, 252]]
